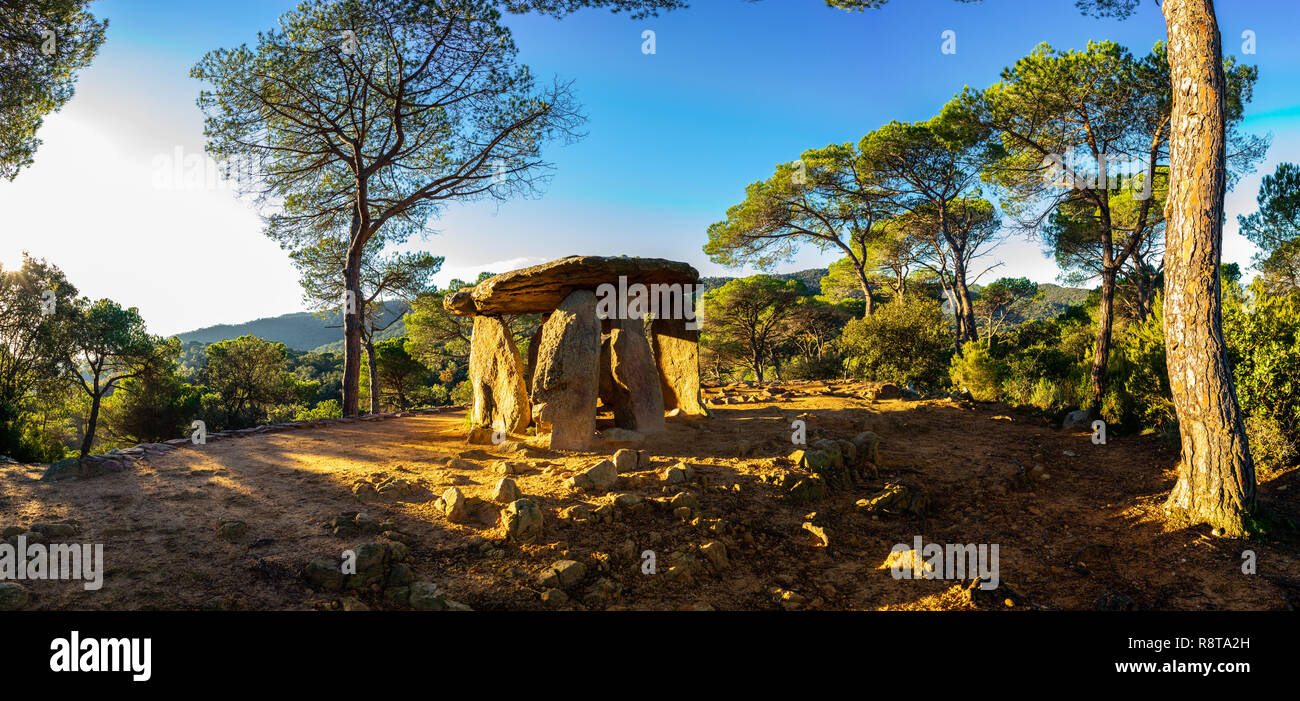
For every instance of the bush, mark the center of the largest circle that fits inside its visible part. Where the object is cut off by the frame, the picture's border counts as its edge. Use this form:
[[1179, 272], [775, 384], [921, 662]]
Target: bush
[[463, 393], [907, 344], [1138, 396], [1264, 344], [1271, 448], [328, 409], [827, 367], [978, 372]]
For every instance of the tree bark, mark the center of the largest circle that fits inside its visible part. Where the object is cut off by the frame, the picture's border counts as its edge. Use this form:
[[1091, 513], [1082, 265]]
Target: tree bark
[[374, 375], [89, 440], [963, 308], [1216, 477], [866, 292], [352, 333], [351, 302], [1101, 347]]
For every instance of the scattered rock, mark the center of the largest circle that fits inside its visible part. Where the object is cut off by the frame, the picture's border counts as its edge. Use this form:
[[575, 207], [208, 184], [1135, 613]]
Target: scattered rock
[[896, 498], [232, 530], [67, 468], [363, 489], [321, 573], [563, 574], [505, 491], [454, 506], [819, 531], [523, 521], [1074, 420], [680, 473], [507, 468], [352, 603], [625, 460], [554, 598], [626, 501], [601, 477], [716, 553]]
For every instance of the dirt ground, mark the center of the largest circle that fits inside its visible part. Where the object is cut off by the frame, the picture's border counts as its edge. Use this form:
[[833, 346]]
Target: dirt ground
[[1085, 531]]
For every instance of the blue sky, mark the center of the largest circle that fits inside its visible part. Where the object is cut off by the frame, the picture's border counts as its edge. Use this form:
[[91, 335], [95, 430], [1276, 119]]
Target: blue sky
[[733, 88]]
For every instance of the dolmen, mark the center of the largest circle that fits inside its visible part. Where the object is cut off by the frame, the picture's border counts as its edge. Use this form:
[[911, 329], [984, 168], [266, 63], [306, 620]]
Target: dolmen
[[619, 330]]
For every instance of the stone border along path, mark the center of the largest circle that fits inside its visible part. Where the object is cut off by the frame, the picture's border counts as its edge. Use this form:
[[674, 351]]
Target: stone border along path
[[118, 460]]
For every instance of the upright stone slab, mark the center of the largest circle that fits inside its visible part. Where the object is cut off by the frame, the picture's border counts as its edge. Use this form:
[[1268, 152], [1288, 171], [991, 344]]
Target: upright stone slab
[[566, 381], [677, 353], [533, 344], [606, 372], [500, 397], [638, 401]]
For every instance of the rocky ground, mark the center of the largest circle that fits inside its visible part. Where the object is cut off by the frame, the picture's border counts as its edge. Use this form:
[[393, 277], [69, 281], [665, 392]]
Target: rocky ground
[[720, 513]]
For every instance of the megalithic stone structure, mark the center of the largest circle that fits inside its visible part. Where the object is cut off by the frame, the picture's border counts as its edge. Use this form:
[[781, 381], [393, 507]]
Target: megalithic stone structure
[[637, 375], [638, 401], [497, 376], [566, 382], [677, 353]]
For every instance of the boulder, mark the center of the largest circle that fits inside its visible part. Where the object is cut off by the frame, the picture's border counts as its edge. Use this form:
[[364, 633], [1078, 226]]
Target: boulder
[[500, 395], [562, 575], [896, 498], [325, 574], [541, 288], [505, 491], [680, 473], [884, 390], [1074, 420], [637, 397], [625, 460], [600, 477], [566, 382], [67, 468], [716, 553], [523, 521], [454, 506], [677, 355]]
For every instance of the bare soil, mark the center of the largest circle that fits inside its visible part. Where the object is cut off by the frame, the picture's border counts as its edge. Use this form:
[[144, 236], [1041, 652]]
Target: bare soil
[[1086, 531]]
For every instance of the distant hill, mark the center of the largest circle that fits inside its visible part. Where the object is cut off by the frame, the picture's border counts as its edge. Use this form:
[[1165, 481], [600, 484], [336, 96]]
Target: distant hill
[[1052, 300], [811, 277], [301, 331]]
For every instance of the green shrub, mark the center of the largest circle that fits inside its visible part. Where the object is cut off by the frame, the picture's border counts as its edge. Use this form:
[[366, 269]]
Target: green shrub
[[328, 409], [1272, 449], [978, 372], [827, 367], [907, 344], [463, 393], [1263, 340]]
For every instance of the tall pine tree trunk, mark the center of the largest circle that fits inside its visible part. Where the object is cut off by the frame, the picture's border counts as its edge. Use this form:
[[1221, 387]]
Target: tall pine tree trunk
[[352, 323], [374, 373], [1101, 347], [1216, 478]]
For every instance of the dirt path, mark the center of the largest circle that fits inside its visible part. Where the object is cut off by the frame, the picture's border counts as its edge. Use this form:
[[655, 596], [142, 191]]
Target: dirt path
[[1084, 529]]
